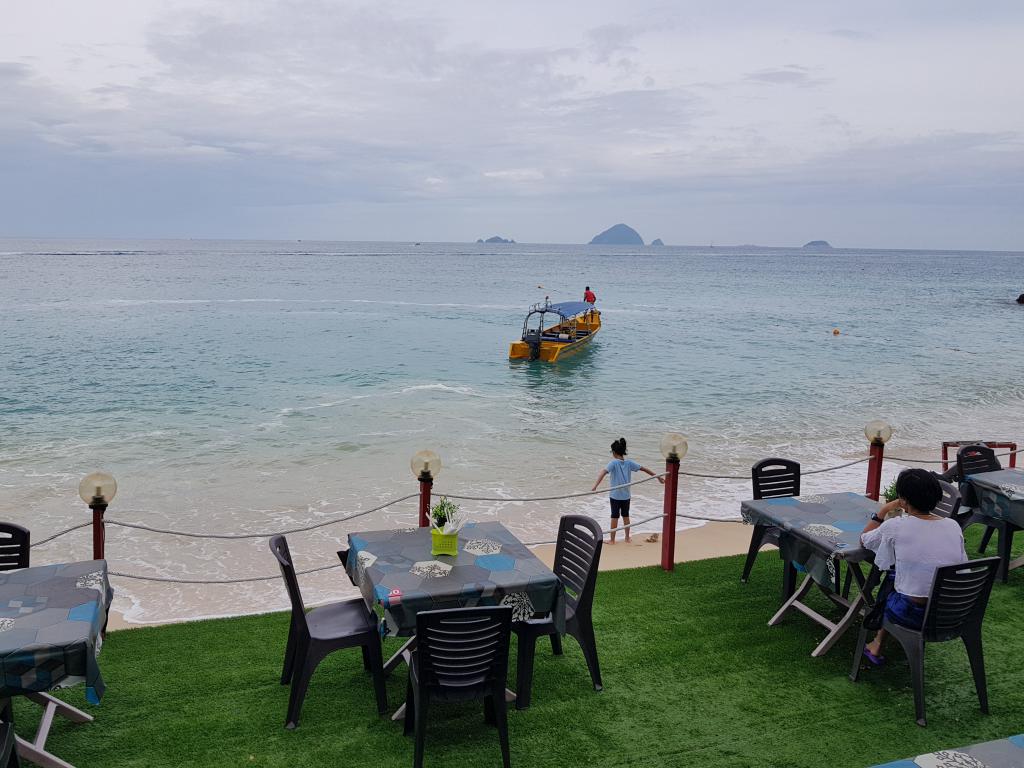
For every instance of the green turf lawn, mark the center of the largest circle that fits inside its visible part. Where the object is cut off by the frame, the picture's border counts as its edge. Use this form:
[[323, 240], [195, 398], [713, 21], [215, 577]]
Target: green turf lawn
[[693, 676]]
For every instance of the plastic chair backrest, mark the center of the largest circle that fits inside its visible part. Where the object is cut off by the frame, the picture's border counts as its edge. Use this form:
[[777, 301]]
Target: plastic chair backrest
[[949, 504], [774, 478], [14, 546], [973, 459], [958, 598], [279, 546], [577, 555], [463, 649]]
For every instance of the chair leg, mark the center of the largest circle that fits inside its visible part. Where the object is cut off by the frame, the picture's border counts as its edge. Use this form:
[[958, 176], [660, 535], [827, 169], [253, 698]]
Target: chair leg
[[300, 683], [366, 658], [410, 708], [986, 537], [583, 631], [527, 643], [501, 720], [489, 709], [420, 726], [858, 652], [848, 581], [1005, 548], [289, 655], [972, 641], [556, 643], [913, 646], [756, 539], [789, 579], [375, 657]]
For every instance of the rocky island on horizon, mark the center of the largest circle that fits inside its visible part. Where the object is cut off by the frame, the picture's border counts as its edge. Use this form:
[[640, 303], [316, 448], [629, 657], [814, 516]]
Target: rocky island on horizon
[[620, 234], [495, 239], [822, 245]]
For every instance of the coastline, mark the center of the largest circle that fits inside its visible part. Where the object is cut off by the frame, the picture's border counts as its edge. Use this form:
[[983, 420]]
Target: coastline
[[702, 542]]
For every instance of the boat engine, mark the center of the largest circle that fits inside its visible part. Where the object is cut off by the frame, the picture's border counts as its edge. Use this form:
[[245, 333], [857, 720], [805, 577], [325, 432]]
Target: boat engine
[[532, 338]]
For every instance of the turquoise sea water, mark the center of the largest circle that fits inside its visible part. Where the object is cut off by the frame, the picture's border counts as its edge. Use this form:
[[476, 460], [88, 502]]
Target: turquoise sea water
[[254, 385]]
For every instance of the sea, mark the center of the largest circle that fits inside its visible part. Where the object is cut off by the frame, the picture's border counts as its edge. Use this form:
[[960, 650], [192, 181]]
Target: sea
[[249, 387]]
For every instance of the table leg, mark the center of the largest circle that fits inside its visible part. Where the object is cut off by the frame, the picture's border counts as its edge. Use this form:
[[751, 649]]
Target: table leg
[[794, 599], [402, 654], [35, 751]]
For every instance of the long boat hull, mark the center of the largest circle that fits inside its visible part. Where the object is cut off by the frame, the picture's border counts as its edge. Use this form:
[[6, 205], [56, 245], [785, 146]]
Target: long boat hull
[[559, 340]]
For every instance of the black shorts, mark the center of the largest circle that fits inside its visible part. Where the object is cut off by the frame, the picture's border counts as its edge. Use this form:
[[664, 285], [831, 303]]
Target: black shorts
[[620, 507]]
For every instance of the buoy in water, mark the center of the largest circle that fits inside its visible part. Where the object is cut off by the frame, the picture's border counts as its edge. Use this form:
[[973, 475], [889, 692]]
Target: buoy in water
[[835, 331]]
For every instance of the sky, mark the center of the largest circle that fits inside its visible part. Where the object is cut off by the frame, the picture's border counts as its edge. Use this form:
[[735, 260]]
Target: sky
[[871, 124]]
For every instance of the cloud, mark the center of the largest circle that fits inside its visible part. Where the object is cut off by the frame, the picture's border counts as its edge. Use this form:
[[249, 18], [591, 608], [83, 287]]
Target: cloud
[[790, 74]]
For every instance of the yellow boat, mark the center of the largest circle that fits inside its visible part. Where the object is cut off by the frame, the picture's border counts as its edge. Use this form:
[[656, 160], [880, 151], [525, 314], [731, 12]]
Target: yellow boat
[[578, 323]]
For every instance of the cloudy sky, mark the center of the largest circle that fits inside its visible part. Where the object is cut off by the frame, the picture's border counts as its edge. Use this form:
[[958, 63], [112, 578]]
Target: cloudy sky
[[870, 124]]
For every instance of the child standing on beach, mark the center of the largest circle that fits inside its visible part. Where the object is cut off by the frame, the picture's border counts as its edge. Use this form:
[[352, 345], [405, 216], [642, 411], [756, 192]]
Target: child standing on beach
[[620, 469]]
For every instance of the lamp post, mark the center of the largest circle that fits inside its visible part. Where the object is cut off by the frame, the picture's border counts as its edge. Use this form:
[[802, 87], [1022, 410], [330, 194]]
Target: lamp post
[[673, 448], [98, 490], [426, 465], [878, 433]]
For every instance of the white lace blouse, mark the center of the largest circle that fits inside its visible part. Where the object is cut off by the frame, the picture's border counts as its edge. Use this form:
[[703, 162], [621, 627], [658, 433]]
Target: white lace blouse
[[916, 547]]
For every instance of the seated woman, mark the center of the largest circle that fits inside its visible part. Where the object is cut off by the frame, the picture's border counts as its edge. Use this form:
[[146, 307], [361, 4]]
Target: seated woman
[[916, 544]]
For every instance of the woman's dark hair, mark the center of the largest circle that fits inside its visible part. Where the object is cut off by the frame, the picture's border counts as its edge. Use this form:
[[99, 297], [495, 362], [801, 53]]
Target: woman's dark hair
[[619, 446], [920, 489]]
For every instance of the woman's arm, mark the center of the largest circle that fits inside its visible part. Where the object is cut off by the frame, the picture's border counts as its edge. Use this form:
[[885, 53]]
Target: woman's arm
[[652, 474], [883, 513], [600, 477]]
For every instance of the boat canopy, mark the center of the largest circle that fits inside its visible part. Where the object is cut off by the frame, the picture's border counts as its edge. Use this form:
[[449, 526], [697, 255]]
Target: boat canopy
[[567, 309]]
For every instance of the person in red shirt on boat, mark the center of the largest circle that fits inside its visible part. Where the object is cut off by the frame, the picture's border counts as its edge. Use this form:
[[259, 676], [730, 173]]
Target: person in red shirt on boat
[[588, 296]]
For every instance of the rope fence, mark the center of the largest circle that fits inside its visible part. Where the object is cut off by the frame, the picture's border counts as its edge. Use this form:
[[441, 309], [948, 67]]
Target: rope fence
[[459, 497]]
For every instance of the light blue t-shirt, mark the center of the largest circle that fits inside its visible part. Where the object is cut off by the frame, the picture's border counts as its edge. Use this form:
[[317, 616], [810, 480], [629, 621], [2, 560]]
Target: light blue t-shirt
[[619, 472]]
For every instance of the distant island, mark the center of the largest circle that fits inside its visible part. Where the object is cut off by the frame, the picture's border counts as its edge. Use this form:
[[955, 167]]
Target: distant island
[[657, 241], [822, 245], [496, 239], [620, 234]]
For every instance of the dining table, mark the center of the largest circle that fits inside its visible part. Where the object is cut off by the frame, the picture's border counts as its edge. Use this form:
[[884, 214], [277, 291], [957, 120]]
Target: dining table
[[52, 619], [819, 533], [398, 577], [998, 496]]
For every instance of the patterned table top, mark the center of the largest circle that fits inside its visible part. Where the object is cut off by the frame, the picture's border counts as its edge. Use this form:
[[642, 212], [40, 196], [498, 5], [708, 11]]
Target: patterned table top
[[51, 619], [829, 522], [996, 494], [395, 571], [818, 529], [1004, 753]]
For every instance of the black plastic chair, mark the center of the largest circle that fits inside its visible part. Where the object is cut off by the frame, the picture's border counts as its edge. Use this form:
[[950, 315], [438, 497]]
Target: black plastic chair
[[955, 609], [15, 543], [461, 655], [772, 479], [577, 555], [972, 460], [312, 636], [949, 505]]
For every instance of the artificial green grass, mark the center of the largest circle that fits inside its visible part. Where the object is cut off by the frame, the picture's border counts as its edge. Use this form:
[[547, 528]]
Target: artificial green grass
[[693, 676]]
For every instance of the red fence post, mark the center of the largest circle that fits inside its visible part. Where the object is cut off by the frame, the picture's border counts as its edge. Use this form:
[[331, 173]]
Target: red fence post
[[426, 483], [668, 523], [874, 485], [99, 527]]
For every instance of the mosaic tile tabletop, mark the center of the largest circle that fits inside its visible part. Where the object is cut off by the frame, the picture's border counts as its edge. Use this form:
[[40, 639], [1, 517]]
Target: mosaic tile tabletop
[[395, 572], [818, 528], [1004, 753], [996, 494], [51, 619]]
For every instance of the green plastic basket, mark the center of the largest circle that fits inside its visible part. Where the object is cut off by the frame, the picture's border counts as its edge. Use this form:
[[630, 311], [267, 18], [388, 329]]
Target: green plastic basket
[[443, 543]]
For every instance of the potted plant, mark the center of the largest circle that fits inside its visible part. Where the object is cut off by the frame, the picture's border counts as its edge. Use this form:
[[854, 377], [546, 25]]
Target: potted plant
[[445, 522]]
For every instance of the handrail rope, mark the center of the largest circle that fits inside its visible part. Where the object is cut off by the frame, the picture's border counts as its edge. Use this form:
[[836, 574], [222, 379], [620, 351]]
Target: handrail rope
[[549, 498], [220, 581], [302, 529], [58, 535], [950, 460], [647, 520]]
